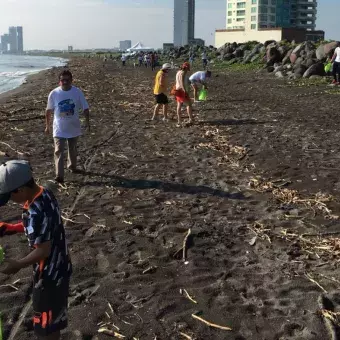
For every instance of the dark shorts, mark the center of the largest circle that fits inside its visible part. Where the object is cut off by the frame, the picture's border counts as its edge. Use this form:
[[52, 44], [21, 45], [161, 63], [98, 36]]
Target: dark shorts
[[161, 99], [50, 308]]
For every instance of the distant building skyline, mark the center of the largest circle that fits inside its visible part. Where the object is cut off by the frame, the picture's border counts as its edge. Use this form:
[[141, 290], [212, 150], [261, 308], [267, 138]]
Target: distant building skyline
[[184, 22], [125, 45], [13, 41]]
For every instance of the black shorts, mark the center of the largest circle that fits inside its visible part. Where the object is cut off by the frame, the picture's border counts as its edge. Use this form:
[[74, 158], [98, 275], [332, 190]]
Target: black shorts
[[161, 99], [50, 308]]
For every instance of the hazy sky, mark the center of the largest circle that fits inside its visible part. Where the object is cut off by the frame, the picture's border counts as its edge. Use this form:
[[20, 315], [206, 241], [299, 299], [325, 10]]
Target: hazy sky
[[52, 24]]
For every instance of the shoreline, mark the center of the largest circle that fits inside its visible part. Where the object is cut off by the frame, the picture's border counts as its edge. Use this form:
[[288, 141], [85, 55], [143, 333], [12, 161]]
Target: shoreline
[[30, 81]]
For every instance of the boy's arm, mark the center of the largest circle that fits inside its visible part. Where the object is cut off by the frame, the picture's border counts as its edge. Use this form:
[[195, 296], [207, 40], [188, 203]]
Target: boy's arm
[[40, 253], [9, 229]]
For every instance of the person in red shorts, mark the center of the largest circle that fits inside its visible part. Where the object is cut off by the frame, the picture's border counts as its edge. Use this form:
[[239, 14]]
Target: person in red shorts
[[42, 224], [182, 93]]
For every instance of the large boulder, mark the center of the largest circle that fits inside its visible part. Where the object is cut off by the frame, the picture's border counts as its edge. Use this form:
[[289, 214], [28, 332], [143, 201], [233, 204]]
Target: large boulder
[[300, 70], [279, 74], [238, 53], [308, 63], [320, 52], [273, 56], [329, 48], [315, 70], [298, 49], [255, 58], [293, 57], [268, 42]]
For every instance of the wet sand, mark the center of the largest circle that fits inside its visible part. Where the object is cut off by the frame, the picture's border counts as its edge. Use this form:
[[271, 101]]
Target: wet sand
[[255, 180]]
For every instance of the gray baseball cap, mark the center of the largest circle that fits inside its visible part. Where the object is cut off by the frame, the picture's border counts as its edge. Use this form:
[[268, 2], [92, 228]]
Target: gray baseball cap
[[13, 175]]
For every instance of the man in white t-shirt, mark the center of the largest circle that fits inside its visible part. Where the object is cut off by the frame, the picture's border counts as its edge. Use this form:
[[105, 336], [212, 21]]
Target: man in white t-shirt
[[336, 65], [199, 78], [66, 102]]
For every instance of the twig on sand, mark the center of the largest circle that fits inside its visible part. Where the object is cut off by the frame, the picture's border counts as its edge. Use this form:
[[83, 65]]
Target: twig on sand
[[69, 220], [9, 286], [210, 324], [17, 151], [187, 295], [186, 336], [109, 332], [185, 245], [315, 282]]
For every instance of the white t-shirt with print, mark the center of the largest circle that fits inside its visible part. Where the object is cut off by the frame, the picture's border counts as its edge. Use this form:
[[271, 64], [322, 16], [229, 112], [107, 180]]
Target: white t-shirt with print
[[67, 106], [337, 52], [199, 77]]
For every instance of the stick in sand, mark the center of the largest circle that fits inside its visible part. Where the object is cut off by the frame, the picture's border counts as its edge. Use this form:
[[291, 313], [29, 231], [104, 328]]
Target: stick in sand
[[210, 324], [185, 245]]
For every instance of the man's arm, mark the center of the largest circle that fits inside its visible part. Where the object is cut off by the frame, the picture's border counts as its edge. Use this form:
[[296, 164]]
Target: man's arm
[[87, 118], [48, 116], [40, 253]]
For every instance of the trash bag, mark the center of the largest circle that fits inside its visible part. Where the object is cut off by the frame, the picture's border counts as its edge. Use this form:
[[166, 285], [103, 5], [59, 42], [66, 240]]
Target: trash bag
[[328, 67], [203, 95]]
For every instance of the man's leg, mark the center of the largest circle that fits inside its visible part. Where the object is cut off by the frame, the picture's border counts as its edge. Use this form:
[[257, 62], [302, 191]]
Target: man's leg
[[179, 109], [165, 111], [59, 147], [156, 111], [72, 153], [334, 71], [189, 110], [195, 88]]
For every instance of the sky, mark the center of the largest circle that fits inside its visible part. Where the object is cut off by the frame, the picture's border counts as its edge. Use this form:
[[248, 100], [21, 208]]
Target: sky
[[55, 24]]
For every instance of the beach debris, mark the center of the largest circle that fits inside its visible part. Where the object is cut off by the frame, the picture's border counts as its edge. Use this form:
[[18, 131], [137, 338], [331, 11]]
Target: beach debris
[[310, 278], [210, 324], [12, 285], [186, 336], [187, 295], [185, 242], [20, 153], [110, 332], [150, 270], [253, 241]]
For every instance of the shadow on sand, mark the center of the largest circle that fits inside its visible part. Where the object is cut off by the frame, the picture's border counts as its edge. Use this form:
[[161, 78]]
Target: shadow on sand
[[122, 182]]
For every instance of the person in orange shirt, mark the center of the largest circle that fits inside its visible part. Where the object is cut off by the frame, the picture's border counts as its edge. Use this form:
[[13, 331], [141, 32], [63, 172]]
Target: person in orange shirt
[[160, 90]]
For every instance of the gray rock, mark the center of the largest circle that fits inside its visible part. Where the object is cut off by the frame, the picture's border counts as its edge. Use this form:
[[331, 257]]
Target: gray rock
[[309, 62], [255, 58], [300, 70], [320, 52], [315, 70], [297, 50], [279, 74], [315, 77]]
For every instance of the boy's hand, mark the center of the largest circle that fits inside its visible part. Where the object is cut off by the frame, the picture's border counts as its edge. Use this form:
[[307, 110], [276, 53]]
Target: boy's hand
[[12, 267], [3, 229]]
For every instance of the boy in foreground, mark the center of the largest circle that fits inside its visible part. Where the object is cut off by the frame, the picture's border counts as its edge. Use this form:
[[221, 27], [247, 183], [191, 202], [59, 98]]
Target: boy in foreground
[[42, 224]]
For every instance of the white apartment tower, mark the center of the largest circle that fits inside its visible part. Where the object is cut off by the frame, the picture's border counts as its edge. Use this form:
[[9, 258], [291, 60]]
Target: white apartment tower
[[257, 14]]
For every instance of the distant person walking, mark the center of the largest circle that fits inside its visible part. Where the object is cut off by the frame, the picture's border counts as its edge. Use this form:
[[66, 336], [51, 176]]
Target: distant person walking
[[197, 79], [204, 60], [146, 60], [123, 60], [160, 90], [140, 60], [336, 65], [182, 93], [66, 102], [153, 62]]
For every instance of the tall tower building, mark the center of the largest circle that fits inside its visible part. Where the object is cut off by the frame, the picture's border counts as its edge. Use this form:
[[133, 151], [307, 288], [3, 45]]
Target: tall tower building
[[255, 14], [20, 39], [13, 40], [184, 22]]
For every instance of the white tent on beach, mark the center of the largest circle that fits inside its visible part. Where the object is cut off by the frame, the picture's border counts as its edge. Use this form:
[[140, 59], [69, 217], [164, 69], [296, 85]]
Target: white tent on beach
[[139, 47]]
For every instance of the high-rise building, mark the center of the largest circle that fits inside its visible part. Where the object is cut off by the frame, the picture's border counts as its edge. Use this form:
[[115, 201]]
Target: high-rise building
[[20, 40], [4, 43], [257, 14], [184, 22], [13, 41], [125, 44]]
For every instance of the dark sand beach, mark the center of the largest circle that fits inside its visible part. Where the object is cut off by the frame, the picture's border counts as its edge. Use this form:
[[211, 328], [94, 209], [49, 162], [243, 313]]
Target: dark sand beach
[[256, 180]]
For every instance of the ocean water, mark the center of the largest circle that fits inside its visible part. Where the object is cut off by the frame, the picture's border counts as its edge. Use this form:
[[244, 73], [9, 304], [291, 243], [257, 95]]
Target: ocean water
[[14, 69]]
